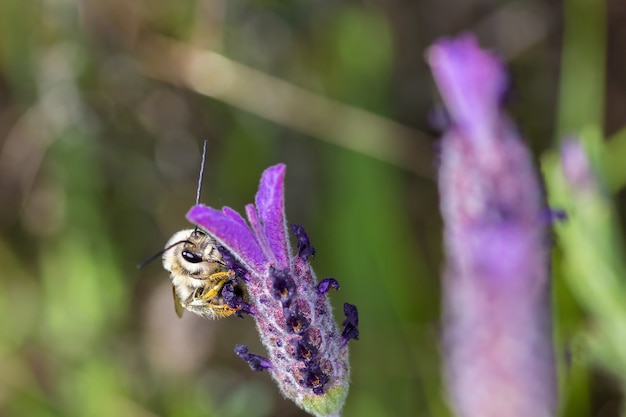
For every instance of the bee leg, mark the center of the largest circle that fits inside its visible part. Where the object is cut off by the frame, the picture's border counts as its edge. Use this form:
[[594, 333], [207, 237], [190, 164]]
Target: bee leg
[[223, 310], [220, 279], [210, 308]]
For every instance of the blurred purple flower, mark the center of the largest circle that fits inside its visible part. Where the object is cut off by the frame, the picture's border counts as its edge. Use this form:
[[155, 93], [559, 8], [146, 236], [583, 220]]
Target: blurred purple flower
[[308, 356], [497, 324]]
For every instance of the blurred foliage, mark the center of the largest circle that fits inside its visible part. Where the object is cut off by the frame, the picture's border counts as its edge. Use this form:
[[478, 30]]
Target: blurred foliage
[[592, 248], [98, 163]]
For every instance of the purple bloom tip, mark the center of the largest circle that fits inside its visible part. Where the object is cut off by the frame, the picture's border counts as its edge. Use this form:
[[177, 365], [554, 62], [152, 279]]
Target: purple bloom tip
[[472, 82], [257, 363], [304, 245], [351, 323], [326, 284]]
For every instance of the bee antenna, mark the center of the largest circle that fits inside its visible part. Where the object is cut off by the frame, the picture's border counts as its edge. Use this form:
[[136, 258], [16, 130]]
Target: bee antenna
[[159, 253], [200, 177]]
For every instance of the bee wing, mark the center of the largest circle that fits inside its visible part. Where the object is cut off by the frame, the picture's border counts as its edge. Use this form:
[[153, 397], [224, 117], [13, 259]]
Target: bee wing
[[178, 306]]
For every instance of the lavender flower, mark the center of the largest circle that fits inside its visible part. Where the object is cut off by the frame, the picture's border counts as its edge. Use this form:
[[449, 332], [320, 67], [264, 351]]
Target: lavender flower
[[308, 354], [497, 334]]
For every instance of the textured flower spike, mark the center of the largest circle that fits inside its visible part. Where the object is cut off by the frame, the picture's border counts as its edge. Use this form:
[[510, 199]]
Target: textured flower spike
[[308, 354], [497, 325]]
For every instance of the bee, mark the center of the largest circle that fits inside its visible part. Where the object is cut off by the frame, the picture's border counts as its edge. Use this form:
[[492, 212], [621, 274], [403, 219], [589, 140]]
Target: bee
[[198, 274], [197, 271]]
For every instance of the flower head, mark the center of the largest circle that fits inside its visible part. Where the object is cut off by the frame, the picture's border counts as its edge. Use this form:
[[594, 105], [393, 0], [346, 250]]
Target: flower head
[[497, 337], [308, 355]]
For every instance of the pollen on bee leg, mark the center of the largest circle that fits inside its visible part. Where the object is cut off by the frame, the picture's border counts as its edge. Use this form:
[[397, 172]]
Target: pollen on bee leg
[[222, 275], [225, 310], [221, 278]]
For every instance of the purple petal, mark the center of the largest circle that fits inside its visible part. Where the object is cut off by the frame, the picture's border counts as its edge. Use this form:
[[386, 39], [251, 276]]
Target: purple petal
[[234, 234], [326, 284], [351, 323], [304, 245], [257, 363], [235, 216], [270, 206], [472, 82], [234, 299], [258, 230], [232, 263]]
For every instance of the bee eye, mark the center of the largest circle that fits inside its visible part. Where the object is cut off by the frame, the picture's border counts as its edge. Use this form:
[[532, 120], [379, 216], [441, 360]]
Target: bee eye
[[192, 257]]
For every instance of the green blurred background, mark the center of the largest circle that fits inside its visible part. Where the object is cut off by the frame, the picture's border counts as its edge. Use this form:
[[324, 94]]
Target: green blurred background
[[103, 109]]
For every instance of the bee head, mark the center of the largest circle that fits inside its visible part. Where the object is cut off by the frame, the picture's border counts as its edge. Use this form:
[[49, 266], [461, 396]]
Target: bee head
[[193, 253]]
